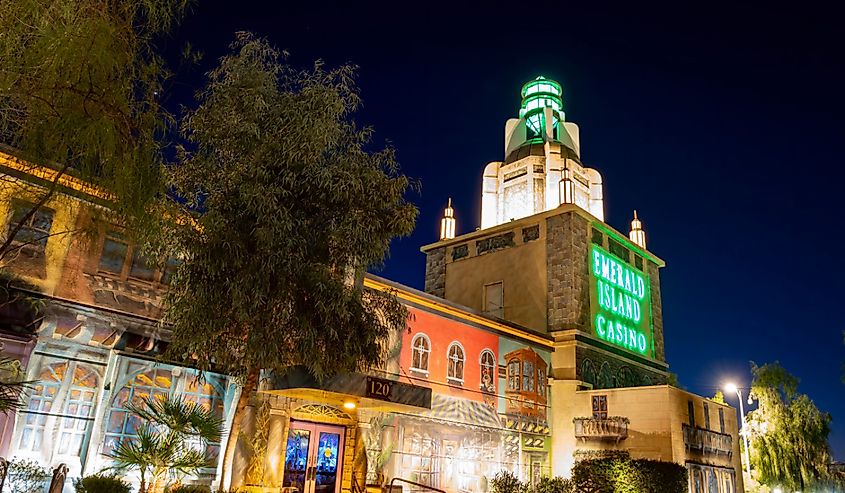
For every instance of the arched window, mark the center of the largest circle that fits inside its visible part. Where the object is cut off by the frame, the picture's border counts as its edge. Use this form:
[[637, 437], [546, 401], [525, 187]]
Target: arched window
[[455, 372], [421, 347], [40, 404], [488, 371], [157, 382], [160, 382]]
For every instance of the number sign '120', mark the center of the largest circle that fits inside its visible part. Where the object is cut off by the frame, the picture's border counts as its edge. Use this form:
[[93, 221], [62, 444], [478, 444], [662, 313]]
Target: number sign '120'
[[379, 388]]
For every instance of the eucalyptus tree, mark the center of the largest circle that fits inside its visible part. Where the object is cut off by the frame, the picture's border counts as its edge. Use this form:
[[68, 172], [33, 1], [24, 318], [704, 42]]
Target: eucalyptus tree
[[788, 433], [286, 203], [80, 82]]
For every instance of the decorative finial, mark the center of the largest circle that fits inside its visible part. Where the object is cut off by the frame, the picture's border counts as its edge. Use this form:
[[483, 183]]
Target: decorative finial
[[637, 235], [447, 224]]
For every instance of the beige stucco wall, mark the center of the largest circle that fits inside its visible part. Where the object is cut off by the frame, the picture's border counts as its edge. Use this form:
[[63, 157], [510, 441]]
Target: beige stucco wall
[[657, 415], [521, 269]]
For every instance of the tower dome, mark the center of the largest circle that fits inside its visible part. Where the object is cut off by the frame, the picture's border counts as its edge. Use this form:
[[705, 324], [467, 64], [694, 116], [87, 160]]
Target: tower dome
[[537, 95]]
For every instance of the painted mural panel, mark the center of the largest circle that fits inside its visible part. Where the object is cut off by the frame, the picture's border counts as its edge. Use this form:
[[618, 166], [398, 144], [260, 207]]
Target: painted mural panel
[[477, 425]]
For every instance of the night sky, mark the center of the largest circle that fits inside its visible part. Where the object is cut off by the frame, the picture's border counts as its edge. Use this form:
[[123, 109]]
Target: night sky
[[721, 124]]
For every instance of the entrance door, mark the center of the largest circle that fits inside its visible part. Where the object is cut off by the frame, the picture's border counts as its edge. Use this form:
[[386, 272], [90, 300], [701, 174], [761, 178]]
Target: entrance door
[[313, 457]]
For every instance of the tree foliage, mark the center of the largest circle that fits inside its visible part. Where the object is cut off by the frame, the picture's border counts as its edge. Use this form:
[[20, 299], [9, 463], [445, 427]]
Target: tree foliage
[[285, 205], [293, 205], [80, 82], [162, 449], [788, 433], [625, 475]]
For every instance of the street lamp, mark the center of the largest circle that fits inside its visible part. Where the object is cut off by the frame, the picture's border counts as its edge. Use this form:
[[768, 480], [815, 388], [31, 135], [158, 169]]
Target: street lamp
[[732, 388]]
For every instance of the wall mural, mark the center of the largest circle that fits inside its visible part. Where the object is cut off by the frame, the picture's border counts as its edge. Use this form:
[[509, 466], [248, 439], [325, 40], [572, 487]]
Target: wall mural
[[488, 413]]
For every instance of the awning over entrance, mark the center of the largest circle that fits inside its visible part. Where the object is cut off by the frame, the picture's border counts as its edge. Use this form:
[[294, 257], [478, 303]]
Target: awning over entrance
[[366, 391], [461, 412]]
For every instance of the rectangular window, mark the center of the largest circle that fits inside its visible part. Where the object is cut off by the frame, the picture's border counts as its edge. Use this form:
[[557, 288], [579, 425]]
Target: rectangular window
[[541, 382], [115, 249], [599, 407], [528, 376], [706, 416], [721, 420], [35, 229], [691, 411], [494, 303], [141, 268], [513, 375], [598, 237], [619, 250]]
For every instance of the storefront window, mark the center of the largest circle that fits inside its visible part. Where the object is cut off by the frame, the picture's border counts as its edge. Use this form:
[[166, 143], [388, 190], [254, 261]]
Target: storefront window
[[40, 403], [455, 372], [421, 350], [159, 382], [79, 410]]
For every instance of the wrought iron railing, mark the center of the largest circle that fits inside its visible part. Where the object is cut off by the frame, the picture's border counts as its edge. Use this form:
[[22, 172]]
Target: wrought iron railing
[[709, 442], [611, 428]]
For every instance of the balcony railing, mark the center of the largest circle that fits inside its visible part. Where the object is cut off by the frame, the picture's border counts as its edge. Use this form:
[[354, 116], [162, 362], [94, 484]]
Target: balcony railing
[[708, 442], [613, 428]]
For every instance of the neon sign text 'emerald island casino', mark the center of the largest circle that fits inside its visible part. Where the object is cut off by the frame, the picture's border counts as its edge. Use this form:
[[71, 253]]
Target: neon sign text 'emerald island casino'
[[620, 297]]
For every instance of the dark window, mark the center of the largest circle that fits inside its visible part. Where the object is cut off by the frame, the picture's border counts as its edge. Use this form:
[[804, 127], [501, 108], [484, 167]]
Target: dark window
[[115, 249], [721, 420], [691, 411], [599, 407], [706, 416], [141, 267], [598, 238], [619, 250], [638, 261], [35, 229]]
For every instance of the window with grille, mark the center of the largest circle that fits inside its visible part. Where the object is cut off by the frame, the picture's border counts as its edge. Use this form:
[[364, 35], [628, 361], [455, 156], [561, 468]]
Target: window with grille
[[421, 347], [161, 382], [76, 386], [528, 376], [455, 372], [513, 374], [122, 259], [599, 407]]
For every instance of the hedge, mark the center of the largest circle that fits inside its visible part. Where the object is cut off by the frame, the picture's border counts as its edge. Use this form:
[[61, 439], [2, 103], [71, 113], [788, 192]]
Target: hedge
[[624, 475]]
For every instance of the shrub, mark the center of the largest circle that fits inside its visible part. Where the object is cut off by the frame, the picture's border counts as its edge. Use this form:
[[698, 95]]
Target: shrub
[[101, 483], [554, 485], [190, 488], [27, 476], [507, 482], [625, 475]]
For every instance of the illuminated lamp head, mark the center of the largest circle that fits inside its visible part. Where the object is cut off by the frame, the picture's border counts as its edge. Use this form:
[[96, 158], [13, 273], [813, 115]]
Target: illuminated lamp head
[[537, 95]]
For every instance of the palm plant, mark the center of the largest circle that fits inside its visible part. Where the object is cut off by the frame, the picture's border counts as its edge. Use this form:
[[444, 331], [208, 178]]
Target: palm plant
[[171, 442], [12, 385]]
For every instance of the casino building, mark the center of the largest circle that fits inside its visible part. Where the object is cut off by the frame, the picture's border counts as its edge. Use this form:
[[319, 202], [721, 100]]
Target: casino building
[[538, 340]]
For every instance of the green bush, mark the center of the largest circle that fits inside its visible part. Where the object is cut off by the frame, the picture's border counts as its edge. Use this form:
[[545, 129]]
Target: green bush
[[554, 485], [101, 483], [27, 476], [507, 482], [625, 475], [190, 488]]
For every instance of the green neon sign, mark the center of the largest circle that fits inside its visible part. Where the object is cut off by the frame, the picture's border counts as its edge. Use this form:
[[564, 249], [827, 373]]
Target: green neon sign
[[620, 302]]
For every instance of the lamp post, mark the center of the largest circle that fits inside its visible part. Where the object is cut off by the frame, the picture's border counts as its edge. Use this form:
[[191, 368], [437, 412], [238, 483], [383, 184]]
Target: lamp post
[[730, 387]]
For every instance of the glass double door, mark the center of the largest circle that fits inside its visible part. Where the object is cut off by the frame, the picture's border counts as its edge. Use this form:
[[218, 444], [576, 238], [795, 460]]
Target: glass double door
[[313, 457]]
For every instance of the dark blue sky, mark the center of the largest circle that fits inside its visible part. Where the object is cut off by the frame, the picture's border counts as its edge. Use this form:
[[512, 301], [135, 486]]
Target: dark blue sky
[[720, 123]]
